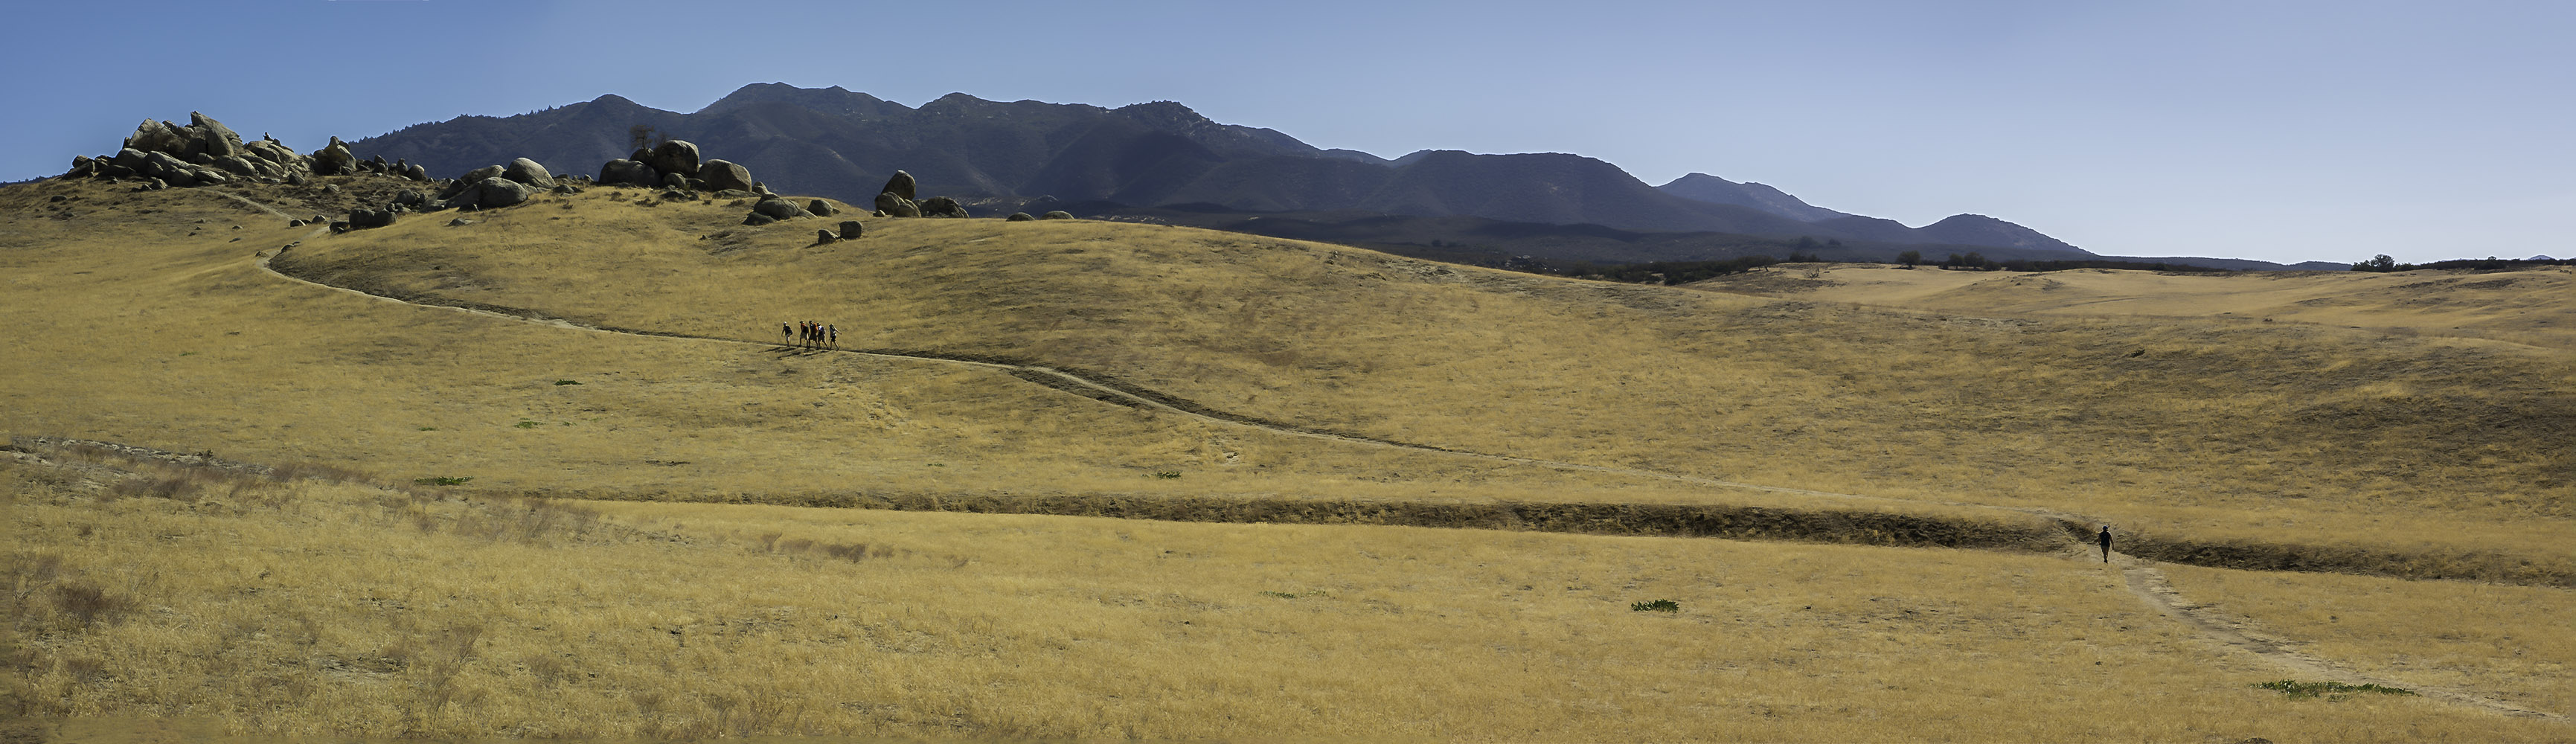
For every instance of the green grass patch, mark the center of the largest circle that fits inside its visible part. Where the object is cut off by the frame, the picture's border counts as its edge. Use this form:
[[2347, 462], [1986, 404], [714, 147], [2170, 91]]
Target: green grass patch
[[2297, 690]]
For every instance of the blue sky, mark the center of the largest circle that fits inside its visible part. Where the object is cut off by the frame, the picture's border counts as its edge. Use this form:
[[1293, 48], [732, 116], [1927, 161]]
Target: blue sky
[[2284, 131]]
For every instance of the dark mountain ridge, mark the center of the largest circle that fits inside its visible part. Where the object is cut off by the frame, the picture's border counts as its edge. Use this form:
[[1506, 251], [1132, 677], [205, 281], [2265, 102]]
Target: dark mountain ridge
[[844, 144]]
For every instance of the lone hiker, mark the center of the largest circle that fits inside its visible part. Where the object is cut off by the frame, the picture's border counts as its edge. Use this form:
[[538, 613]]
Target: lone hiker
[[2105, 539], [785, 332]]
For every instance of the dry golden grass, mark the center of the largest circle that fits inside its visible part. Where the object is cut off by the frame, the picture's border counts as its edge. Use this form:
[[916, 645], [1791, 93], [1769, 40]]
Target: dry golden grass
[[133, 321], [2526, 307], [2210, 430], [2510, 641], [320, 608]]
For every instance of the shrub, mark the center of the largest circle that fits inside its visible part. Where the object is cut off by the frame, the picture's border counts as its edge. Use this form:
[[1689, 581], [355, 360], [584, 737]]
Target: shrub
[[443, 480], [1660, 605], [90, 604], [2331, 691]]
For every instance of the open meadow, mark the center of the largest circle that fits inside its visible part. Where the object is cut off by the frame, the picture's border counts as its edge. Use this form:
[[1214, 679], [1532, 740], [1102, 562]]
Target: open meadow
[[609, 503]]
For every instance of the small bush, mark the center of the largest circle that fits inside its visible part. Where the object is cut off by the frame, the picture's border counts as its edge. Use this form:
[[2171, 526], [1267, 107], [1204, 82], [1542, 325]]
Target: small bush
[[1167, 474], [1660, 605], [525, 424], [2331, 691], [567, 382], [443, 480], [90, 604]]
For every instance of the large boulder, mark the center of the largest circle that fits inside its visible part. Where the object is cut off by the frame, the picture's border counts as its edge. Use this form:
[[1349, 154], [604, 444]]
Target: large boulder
[[896, 206], [674, 156], [721, 175], [852, 229], [941, 206], [157, 136], [491, 193], [237, 165], [477, 175], [1018, 217], [628, 173], [1056, 215], [82, 167], [360, 219], [778, 208], [212, 137], [529, 172], [334, 160], [821, 208], [900, 185]]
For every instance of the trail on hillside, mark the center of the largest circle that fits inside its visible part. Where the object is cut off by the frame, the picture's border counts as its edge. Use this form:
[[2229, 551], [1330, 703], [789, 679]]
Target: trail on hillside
[[2140, 576]]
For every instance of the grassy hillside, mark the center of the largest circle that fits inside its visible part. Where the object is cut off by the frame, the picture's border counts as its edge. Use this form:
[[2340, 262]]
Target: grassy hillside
[[2530, 308], [341, 597], [2178, 430]]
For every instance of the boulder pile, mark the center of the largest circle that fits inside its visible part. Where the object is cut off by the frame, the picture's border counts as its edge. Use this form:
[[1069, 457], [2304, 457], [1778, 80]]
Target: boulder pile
[[897, 199], [204, 152], [674, 164]]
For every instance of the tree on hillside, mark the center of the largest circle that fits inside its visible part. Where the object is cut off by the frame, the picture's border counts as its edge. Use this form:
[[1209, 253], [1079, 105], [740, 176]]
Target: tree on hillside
[[644, 136], [2381, 262], [1910, 258]]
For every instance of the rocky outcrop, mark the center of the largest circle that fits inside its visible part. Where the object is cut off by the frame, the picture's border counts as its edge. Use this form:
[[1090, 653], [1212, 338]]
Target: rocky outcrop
[[628, 173], [821, 208], [1056, 215], [529, 172], [852, 229], [778, 208], [490, 193], [673, 156], [335, 160], [201, 152], [896, 206], [1018, 217], [900, 185], [720, 175], [941, 206], [361, 219]]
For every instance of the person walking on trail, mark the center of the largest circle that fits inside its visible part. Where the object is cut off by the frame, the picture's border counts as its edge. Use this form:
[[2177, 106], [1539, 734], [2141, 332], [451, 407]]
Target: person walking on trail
[[2105, 539], [786, 333], [832, 334]]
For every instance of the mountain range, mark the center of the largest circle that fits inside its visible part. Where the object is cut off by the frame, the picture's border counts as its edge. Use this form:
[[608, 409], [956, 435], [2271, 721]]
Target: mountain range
[[844, 144]]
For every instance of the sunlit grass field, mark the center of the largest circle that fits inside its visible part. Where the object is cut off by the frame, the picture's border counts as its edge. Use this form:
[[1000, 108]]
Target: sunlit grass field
[[2209, 430], [390, 608], [345, 608]]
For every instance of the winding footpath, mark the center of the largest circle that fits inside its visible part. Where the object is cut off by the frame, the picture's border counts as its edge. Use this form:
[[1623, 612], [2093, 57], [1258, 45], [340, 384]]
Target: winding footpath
[[2140, 576]]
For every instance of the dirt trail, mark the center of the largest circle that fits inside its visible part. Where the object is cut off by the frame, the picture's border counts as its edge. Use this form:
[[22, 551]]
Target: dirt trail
[[2143, 580]]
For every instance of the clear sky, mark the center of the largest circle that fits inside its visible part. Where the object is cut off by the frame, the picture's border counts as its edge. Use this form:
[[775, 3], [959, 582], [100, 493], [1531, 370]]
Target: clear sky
[[2284, 131]]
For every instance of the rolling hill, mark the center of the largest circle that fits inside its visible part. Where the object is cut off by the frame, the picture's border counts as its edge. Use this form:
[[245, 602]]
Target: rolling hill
[[549, 471]]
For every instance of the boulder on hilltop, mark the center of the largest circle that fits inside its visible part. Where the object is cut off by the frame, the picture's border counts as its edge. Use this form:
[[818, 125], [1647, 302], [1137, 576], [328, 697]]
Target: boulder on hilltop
[[203, 151], [721, 175], [529, 172], [900, 185]]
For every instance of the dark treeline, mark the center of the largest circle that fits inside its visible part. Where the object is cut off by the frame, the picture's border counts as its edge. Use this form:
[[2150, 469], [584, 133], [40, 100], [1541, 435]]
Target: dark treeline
[[2383, 263]]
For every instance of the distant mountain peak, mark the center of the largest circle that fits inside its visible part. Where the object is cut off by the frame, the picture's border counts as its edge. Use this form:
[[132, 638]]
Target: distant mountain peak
[[1715, 190], [834, 100]]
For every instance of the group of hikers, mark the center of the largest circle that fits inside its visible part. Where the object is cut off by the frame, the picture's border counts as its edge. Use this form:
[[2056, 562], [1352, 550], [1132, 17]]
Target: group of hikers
[[809, 334]]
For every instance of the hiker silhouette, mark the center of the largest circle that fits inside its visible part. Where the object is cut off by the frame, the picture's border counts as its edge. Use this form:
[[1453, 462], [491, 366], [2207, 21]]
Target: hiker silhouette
[[2105, 539]]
